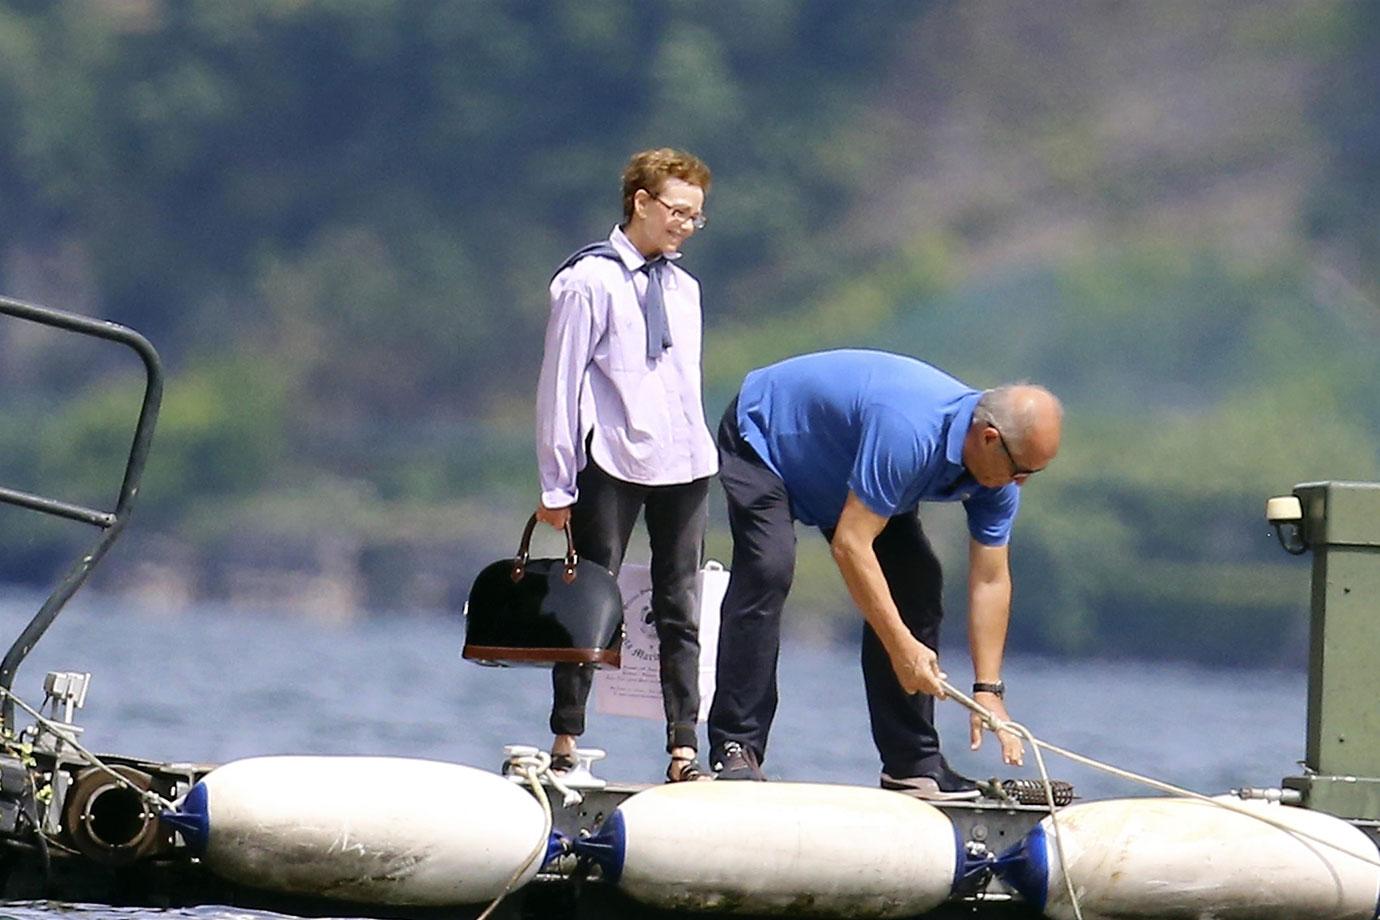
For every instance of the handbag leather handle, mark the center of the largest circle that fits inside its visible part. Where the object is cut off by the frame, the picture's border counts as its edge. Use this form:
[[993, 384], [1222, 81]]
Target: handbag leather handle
[[524, 551]]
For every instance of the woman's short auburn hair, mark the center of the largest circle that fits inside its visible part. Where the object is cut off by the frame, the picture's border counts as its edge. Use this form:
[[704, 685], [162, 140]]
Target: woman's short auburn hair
[[649, 169]]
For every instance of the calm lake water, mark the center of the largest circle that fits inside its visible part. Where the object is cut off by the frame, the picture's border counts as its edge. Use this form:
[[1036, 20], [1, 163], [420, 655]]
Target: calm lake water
[[213, 685]]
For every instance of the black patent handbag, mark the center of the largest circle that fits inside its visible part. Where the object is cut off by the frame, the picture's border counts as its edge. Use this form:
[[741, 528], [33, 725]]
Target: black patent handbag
[[538, 612]]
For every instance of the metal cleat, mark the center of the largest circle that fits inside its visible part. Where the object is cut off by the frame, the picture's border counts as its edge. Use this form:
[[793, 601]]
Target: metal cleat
[[582, 776]]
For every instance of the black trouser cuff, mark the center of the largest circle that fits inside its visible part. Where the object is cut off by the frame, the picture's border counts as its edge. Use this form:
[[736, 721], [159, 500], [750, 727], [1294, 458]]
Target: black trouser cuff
[[681, 735], [568, 721]]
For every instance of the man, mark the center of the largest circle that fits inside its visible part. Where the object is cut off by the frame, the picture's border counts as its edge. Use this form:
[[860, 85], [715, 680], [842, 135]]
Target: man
[[851, 442], [621, 430]]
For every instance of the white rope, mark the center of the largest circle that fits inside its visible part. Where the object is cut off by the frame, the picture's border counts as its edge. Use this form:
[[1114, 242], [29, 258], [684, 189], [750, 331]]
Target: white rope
[[148, 796], [532, 767], [992, 722], [569, 797]]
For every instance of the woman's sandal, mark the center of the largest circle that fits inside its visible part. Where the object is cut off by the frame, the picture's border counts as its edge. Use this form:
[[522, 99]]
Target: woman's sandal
[[690, 771], [562, 763]]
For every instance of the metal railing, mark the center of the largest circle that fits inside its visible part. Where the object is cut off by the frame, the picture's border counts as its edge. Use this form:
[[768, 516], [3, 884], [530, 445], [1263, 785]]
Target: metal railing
[[111, 523]]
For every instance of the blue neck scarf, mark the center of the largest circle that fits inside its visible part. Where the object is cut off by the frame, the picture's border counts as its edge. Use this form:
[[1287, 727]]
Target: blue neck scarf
[[653, 304]]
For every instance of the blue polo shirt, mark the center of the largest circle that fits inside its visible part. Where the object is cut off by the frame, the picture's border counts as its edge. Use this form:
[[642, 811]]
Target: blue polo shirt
[[888, 427]]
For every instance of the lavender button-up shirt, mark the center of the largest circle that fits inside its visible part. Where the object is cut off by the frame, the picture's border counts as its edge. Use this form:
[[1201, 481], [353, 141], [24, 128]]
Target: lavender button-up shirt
[[647, 417]]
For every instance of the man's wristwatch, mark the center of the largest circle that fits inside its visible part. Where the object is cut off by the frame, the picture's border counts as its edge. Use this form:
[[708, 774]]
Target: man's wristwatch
[[995, 687]]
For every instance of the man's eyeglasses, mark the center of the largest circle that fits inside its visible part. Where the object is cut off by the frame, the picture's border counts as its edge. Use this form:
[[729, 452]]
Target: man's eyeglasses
[[680, 214], [1016, 468]]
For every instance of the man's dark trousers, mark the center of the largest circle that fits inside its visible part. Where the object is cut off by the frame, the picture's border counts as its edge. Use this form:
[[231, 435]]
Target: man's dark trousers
[[759, 514], [601, 522]]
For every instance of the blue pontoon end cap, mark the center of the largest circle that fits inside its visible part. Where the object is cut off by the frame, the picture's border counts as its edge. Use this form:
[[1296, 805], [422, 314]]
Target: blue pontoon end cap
[[192, 820], [968, 865], [1025, 867], [555, 848], [606, 848]]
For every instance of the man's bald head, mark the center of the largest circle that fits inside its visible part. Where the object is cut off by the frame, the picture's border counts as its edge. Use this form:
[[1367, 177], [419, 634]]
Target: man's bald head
[[1015, 432]]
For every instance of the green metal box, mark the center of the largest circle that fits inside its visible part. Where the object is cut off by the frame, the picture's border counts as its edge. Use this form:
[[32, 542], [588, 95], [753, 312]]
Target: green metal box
[[1341, 523]]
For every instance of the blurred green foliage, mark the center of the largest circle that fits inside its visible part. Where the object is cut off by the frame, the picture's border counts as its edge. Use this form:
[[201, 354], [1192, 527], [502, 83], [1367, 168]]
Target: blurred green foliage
[[1195, 387], [336, 220]]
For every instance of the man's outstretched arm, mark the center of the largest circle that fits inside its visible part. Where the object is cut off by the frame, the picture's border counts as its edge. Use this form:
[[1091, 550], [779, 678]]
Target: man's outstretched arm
[[989, 612], [916, 664]]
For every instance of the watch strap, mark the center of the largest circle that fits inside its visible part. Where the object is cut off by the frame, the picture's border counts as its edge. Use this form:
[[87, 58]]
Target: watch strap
[[996, 687]]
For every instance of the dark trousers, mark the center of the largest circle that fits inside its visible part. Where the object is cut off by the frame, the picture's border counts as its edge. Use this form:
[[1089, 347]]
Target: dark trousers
[[759, 515], [602, 522]]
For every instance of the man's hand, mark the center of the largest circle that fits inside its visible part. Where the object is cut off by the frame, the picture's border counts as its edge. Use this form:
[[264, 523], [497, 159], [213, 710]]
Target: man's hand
[[917, 669], [556, 517], [1012, 749]]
